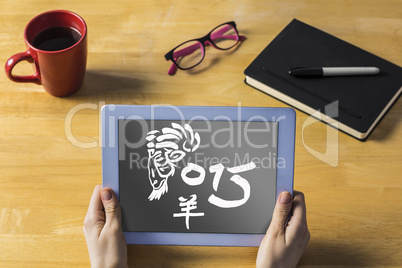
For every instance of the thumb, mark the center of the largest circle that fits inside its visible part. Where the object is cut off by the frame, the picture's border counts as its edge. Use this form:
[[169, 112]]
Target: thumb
[[112, 207], [281, 212]]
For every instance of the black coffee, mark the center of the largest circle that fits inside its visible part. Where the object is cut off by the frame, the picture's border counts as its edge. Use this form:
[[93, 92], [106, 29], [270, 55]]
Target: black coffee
[[56, 38]]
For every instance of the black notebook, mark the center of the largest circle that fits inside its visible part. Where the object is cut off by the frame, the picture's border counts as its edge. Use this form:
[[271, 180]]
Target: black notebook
[[354, 103]]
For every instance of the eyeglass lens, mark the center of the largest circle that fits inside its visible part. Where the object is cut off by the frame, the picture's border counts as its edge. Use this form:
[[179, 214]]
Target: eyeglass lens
[[224, 37], [188, 54], [192, 53]]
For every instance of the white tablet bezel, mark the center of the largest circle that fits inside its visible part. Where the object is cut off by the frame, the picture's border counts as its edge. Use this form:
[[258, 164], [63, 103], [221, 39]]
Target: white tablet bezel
[[110, 114]]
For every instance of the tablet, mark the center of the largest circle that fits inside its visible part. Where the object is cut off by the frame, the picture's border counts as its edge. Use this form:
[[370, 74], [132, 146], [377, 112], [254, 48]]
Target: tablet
[[188, 175]]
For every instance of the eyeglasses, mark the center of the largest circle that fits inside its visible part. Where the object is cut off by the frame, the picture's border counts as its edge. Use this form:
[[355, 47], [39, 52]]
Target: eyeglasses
[[191, 53]]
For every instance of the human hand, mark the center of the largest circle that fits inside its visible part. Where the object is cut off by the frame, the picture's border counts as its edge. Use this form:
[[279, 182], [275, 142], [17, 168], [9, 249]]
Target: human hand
[[103, 232], [283, 246]]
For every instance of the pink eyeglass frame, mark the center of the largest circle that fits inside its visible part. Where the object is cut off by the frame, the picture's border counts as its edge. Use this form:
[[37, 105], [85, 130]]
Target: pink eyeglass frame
[[201, 43]]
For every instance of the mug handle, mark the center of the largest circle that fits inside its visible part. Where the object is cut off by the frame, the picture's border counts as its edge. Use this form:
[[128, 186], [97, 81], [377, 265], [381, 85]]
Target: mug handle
[[10, 64]]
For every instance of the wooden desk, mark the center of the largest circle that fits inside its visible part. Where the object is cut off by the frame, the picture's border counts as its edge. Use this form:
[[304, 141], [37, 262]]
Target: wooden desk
[[354, 209]]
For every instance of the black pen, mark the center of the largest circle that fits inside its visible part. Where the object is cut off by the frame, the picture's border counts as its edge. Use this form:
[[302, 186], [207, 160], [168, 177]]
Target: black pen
[[333, 71]]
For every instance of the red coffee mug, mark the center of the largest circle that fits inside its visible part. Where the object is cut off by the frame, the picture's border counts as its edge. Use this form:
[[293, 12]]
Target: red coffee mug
[[60, 71]]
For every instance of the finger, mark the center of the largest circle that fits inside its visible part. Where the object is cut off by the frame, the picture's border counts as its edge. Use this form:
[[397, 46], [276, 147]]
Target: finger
[[297, 226], [95, 217], [282, 209], [298, 208], [112, 207]]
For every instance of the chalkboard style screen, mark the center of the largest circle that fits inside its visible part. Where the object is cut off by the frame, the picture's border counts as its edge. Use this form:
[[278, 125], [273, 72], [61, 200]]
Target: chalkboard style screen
[[197, 176]]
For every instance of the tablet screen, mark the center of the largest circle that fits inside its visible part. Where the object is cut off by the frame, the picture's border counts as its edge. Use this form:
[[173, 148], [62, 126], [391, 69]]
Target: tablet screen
[[198, 176]]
